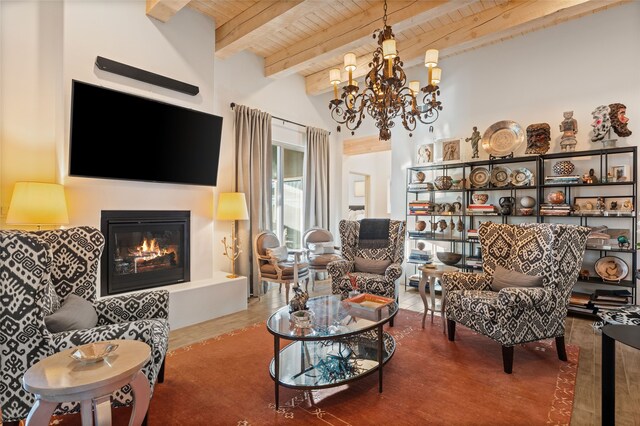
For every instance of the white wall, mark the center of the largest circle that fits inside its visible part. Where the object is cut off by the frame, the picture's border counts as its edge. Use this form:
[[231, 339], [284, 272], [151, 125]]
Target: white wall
[[47, 44], [376, 165]]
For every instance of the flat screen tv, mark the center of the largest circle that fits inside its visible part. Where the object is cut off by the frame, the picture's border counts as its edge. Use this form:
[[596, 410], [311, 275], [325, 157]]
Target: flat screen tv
[[116, 135]]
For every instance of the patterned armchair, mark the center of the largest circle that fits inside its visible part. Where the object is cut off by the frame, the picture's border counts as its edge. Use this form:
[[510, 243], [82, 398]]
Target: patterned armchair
[[516, 315], [341, 271], [39, 270]]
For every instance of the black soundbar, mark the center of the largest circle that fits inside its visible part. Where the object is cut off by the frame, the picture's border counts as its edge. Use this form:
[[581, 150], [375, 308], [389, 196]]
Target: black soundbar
[[145, 76]]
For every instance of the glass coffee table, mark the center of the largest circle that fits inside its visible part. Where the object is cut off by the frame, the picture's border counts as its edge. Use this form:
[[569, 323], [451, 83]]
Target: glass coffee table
[[340, 344]]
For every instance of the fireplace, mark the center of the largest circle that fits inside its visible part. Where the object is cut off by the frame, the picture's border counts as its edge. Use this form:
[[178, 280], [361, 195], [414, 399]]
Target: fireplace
[[144, 249]]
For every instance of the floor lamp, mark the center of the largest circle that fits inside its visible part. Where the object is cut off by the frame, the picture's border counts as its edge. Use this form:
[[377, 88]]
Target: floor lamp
[[37, 203], [232, 206]]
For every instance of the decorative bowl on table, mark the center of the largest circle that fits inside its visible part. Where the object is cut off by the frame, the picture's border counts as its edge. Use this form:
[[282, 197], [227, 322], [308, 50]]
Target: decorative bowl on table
[[479, 198], [302, 318], [448, 258], [93, 352], [443, 182]]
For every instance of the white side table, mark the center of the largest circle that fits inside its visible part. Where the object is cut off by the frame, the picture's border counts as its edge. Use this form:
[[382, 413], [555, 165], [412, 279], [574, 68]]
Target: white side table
[[60, 378], [431, 274]]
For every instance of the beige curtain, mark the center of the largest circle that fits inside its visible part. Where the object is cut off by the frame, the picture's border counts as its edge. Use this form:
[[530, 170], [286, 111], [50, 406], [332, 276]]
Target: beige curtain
[[253, 177], [316, 179]]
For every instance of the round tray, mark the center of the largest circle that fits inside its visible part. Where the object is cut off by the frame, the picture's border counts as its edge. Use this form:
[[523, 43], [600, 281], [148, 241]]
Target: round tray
[[500, 176], [502, 138], [611, 268], [479, 177]]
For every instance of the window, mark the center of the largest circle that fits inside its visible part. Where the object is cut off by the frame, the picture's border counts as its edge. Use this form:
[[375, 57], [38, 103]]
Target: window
[[286, 186]]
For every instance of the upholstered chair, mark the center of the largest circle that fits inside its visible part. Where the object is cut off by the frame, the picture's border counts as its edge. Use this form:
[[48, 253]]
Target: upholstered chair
[[321, 250], [277, 264], [374, 270], [41, 270], [547, 256]]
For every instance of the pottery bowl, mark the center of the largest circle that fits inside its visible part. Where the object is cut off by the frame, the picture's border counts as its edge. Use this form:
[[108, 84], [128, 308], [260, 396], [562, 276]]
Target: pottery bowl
[[525, 211], [448, 258], [479, 198], [443, 182]]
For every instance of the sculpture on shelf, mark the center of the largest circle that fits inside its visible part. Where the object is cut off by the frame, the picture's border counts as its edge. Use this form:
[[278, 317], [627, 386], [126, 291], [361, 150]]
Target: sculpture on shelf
[[600, 203], [475, 139], [619, 120], [590, 178], [601, 123], [623, 242], [299, 300], [538, 137], [569, 128]]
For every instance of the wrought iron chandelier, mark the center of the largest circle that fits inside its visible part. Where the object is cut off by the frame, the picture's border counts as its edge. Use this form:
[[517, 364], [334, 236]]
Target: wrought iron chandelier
[[385, 96]]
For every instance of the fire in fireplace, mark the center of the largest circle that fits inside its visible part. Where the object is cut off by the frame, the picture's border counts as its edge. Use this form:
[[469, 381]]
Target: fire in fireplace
[[144, 249]]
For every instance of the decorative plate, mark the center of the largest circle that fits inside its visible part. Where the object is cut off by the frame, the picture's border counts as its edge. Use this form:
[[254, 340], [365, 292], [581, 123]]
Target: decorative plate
[[521, 177], [611, 268], [500, 176], [479, 177], [93, 352], [502, 138]]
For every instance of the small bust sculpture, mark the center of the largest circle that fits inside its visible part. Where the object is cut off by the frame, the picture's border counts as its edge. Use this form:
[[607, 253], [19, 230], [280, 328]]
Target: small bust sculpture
[[569, 128], [299, 300], [601, 123], [619, 120], [475, 139], [600, 203], [538, 137], [591, 177]]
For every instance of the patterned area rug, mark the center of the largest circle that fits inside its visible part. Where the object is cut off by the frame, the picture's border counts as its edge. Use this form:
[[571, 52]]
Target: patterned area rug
[[429, 380]]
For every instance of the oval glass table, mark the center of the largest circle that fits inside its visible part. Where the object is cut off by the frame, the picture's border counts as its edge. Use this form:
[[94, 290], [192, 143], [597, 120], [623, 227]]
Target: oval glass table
[[340, 344]]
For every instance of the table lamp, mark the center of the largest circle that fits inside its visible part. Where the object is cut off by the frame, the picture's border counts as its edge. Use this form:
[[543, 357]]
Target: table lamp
[[38, 203], [232, 206]]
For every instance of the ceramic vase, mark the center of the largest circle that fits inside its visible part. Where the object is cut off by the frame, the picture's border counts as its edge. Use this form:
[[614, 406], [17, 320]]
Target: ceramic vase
[[556, 197], [443, 182], [563, 168], [479, 198]]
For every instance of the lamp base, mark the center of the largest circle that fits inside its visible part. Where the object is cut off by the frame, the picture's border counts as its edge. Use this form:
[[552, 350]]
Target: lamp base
[[232, 276]]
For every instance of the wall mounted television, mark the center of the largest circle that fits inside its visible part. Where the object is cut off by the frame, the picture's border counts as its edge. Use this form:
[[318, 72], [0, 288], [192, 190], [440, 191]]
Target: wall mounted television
[[116, 135]]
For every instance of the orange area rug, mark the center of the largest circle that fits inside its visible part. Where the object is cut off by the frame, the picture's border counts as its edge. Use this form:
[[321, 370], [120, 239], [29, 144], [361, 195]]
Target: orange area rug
[[429, 380]]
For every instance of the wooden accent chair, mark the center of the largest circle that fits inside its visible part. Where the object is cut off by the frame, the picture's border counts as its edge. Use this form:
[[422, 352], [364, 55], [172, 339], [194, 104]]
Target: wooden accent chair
[[516, 315], [40, 270], [321, 250], [277, 264]]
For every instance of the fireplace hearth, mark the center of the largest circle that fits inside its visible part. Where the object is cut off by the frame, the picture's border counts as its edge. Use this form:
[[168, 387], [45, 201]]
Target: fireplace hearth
[[144, 249]]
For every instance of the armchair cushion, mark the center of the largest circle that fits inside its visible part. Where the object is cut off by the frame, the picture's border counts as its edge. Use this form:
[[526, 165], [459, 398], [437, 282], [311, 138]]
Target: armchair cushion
[[503, 278], [286, 267], [322, 260], [525, 298], [279, 253], [322, 248], [75, 313], [371, 266]]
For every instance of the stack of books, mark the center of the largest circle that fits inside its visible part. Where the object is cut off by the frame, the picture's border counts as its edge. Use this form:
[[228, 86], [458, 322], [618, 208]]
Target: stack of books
[[581, 303], [419, 186], [419, 207], [562, 209], [610, 299], [414, 280], [481, 209], [421, 234], [472, 234], [570, 179], [419, 256], [474, 261]]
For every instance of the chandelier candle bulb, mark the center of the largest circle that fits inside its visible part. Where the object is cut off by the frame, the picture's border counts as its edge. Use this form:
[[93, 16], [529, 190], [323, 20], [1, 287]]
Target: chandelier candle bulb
[[414, 86], [435, 76], [350, 65], [431, 58], [334, 77], [389, 49]]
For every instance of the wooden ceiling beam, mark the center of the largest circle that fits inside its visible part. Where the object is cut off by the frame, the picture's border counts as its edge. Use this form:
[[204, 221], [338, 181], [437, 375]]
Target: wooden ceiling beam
[[495, 20], [365, 145], [163, 10], [353, 32], [265, 16]]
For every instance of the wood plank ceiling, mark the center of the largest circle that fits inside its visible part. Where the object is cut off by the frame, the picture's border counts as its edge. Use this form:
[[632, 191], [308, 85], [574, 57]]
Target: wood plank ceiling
[[310, 37]]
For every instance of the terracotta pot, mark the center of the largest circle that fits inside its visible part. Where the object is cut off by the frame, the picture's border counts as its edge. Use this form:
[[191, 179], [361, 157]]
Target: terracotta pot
[[479, 198], [556, 197]]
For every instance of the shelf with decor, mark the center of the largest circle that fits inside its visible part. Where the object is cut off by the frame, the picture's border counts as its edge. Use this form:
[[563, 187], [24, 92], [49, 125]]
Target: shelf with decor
[[523, 185]]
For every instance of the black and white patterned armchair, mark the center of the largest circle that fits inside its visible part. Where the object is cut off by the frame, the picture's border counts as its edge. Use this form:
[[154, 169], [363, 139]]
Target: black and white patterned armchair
[[344, 270], [516, 315], [39, 270]]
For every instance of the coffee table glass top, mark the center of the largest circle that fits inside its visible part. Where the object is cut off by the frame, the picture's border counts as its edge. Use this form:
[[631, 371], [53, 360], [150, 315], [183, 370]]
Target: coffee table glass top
[[331, 318]]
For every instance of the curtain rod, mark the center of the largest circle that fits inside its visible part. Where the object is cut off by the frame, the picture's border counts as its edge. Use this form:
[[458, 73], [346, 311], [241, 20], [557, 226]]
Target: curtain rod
[[233, 105]]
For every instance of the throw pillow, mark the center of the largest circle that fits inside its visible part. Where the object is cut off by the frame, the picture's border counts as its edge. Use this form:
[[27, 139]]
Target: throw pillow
[[280, 253], [503, 278], [322, 248], [75, 313], [371, 266]]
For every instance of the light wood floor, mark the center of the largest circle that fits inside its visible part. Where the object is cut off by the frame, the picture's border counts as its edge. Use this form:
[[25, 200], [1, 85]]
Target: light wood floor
[[586, 408]]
